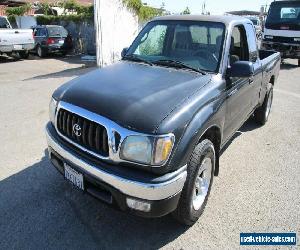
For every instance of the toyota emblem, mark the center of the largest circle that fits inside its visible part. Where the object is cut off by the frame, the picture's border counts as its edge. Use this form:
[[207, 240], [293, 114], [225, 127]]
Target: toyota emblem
[[77, 130]]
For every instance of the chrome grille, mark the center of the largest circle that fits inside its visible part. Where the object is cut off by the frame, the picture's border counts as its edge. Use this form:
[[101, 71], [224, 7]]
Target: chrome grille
[[83, 132]]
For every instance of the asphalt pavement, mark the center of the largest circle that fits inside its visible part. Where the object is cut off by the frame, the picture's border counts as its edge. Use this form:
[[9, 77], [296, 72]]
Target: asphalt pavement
[[257, 189]]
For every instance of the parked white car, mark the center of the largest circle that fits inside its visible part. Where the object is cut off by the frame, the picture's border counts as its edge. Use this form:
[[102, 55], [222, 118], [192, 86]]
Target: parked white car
[[15, 40]]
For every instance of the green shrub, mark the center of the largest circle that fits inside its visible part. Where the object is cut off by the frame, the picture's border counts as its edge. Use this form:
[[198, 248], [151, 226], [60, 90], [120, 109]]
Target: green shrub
[[17, 11], [144, 12], [73, 5], [44, 20]]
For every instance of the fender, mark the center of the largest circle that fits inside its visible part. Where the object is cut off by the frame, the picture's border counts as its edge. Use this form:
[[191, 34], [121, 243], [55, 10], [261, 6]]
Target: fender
[[211, 115]]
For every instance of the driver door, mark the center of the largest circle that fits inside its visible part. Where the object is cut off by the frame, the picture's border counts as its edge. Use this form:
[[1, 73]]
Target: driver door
[[239, 101]]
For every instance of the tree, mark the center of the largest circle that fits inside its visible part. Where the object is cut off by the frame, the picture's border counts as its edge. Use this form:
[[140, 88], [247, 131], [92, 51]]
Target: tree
[[186, 11]]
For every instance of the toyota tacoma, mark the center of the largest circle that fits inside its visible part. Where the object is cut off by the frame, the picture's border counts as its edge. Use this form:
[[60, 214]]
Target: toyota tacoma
[[145, 134]]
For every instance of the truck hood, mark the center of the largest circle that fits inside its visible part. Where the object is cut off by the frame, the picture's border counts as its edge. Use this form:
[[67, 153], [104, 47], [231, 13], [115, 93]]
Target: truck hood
[[136, 96]]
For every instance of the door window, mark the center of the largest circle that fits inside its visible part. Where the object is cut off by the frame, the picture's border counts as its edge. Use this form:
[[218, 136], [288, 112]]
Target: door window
[[43, 32], [239, 45]]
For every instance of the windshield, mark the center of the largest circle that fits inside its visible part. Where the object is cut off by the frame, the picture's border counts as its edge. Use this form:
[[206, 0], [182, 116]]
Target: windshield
[[3, 23], [284, 13], [195, 44], [57, 31]]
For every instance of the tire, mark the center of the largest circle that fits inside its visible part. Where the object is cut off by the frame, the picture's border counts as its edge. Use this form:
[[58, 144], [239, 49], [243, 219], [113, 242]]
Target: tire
[[24, 54], [192, 203], [298, 62], [262, 113], [40, 52]]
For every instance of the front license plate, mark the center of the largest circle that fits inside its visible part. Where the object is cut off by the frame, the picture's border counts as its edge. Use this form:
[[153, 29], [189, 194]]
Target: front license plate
[[18, 47], [74, 177]]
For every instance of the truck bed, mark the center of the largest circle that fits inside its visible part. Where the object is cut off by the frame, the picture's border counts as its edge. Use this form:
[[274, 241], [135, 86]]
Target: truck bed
[[263, 54]]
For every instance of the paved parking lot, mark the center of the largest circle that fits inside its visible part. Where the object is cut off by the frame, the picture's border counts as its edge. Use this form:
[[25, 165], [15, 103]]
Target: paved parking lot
[[257, 189]]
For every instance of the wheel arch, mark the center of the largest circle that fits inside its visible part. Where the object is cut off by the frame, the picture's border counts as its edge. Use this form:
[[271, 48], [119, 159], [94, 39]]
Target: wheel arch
[[272, 80], [213, 133]]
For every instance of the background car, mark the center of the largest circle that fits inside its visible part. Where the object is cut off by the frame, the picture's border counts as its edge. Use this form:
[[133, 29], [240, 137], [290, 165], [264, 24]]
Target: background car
[[52, 39]]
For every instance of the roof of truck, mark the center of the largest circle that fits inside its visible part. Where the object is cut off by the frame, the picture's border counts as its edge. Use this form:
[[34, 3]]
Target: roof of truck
[[209, 18]]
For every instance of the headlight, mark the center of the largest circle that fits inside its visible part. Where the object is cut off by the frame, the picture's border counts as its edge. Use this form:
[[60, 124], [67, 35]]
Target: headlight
[[52, 110], [148, 150], [268, 37], [297, 39]]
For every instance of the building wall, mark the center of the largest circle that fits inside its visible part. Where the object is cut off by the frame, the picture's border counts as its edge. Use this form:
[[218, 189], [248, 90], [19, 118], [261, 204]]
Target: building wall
[[116, 27], [83, 35]]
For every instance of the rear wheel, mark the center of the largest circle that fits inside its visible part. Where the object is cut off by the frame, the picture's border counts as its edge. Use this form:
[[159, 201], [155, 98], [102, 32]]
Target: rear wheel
[[40, 52], [24, 54], [198, 184], [262, 113]]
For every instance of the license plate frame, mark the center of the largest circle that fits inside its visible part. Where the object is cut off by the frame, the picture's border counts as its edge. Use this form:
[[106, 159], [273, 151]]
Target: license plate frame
[[73, 176], [18, 47]]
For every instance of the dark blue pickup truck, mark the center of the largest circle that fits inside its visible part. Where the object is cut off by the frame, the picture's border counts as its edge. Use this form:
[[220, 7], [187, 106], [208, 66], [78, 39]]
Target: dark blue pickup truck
[[145, 134]]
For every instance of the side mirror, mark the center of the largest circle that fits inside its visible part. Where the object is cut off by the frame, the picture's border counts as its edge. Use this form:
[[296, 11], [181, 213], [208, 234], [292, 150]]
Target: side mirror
[[241, 69], [124, 51]]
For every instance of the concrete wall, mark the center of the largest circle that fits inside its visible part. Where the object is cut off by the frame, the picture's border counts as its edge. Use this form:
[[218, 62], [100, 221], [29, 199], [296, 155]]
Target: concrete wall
[[83, 35], [116, 27]]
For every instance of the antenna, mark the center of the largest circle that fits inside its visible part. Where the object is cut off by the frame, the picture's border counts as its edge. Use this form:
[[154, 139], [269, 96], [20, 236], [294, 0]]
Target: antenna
[[203, 8]]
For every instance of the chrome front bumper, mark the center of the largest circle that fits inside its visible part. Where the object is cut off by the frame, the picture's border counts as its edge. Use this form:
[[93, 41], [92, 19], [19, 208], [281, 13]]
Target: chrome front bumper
[[146, 191]]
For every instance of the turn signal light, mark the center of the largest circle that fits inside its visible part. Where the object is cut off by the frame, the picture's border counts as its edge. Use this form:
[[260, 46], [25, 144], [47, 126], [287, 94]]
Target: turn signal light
[[138, 205]]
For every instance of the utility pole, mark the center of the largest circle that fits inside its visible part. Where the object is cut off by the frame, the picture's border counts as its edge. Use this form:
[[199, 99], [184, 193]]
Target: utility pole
[[98, 29]]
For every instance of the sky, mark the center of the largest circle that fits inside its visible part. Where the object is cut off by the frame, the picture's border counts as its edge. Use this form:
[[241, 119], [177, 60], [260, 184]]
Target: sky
[[215, 7]]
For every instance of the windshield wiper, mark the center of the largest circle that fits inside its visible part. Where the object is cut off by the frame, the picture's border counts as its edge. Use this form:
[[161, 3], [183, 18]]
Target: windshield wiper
[[178, 64], [134, 58]]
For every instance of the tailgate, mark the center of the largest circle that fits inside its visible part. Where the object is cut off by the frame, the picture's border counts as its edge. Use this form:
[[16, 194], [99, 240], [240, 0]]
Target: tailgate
[[14, 37]]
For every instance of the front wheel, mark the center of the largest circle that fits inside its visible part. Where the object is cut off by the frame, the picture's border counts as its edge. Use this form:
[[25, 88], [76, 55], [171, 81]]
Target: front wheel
[[197, 187], [262, 113]]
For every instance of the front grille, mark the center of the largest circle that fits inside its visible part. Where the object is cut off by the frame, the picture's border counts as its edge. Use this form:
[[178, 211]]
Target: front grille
[[90, 135], [282, 39]]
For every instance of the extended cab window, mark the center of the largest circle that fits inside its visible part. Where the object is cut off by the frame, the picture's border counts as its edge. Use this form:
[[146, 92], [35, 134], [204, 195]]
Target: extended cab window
[[239, 45], [251, 38]]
